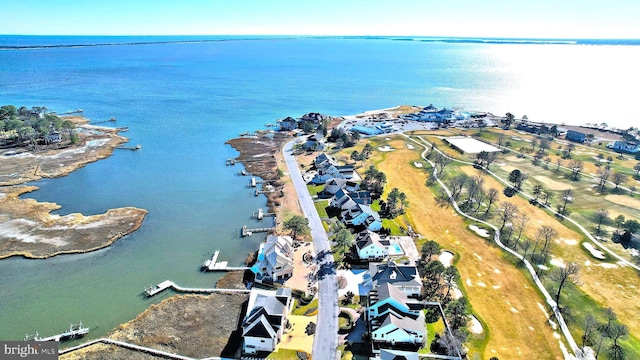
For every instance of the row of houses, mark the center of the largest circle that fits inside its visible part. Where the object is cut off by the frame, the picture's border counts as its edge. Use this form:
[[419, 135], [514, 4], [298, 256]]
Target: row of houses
[[290, 123], [327, 169]]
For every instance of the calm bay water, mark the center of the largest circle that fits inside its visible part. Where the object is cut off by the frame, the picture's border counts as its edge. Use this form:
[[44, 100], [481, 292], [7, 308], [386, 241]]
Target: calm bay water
[[181, 101]]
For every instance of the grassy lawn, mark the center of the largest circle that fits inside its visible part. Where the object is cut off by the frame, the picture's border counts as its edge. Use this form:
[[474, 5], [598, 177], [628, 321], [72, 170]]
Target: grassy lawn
[[321, 208], [605, 286], [493, 285], [432, 330], [314, 189], [310, 309], [283, 354]]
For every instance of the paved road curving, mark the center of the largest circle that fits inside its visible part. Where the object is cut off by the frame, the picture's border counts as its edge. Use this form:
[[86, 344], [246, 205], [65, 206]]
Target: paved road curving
[[326, 337]]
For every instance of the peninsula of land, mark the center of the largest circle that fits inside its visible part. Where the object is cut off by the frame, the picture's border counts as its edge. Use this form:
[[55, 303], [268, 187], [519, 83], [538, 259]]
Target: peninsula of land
[[27, 227]]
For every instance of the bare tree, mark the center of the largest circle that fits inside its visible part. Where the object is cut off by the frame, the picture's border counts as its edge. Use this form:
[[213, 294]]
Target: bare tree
[[590, 323], [616, 331], [576, 167], [492, 196], [569, 273], [559, 163], [601, 214], [567, 196], [547, 160], [603, 175], [526, 245], [618, 178], [509, 210], [456, 184], [522, 222], [547, 233], [441, 162], [544, 144]]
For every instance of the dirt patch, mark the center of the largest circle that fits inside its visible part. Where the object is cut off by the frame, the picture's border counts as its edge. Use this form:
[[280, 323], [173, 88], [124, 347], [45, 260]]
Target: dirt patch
[[552, 184], [624, 201], [514, 158], [191, 325]]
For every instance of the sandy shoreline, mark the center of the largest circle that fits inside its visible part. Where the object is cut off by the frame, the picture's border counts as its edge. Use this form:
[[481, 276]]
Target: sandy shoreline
[[27, 227]]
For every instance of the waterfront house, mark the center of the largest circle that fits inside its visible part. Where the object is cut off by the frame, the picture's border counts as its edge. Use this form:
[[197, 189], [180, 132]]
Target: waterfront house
[[370, 246], [403, 276], [53, 137], [266, 320], [314, 117], [275, 259], [576, 136], [288, 124], [626, 146]]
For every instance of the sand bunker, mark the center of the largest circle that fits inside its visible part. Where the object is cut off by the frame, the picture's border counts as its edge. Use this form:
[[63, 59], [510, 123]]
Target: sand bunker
[[570, 241], [624, 201], [514, 158], [385, 148], [410, 147], [594, 252], [557, 262], [552, 184], [476, 327], [446, 258], [417, 164], [479, 231]]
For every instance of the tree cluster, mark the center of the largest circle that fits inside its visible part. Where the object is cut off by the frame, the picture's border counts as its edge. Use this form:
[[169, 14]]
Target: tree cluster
[[24, 127], [343, 138], [395, 205], [374, 181]]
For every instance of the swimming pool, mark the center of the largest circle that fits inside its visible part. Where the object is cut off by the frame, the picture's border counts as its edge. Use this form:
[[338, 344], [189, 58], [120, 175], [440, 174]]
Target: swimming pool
[[395, 249]]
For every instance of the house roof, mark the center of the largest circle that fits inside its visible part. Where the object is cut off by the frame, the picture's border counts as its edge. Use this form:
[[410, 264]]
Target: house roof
[[405, 323], [366, 238], [259, 328], [390, 354], [395, 274]]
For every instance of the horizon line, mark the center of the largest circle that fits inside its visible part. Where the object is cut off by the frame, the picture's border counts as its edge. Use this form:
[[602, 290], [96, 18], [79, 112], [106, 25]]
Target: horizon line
[[335, 35]]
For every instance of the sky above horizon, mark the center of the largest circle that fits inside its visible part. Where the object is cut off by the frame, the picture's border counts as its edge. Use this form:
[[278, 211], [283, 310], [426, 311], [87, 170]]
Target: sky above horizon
[[465, 18]]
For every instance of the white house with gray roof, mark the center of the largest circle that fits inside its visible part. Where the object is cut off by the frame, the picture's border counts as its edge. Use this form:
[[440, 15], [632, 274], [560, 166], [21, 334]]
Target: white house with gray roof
[[275, 259], [266, 320], [370, 246], [403, 276]]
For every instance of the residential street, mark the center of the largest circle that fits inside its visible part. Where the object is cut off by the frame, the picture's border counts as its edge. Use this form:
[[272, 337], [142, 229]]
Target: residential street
[[326, 336]]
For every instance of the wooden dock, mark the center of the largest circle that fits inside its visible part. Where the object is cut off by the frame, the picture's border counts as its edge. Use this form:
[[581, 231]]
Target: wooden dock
[[214, 265], [261, 214], [74, 331], [248, 232], [231, 161], [170, 284]]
